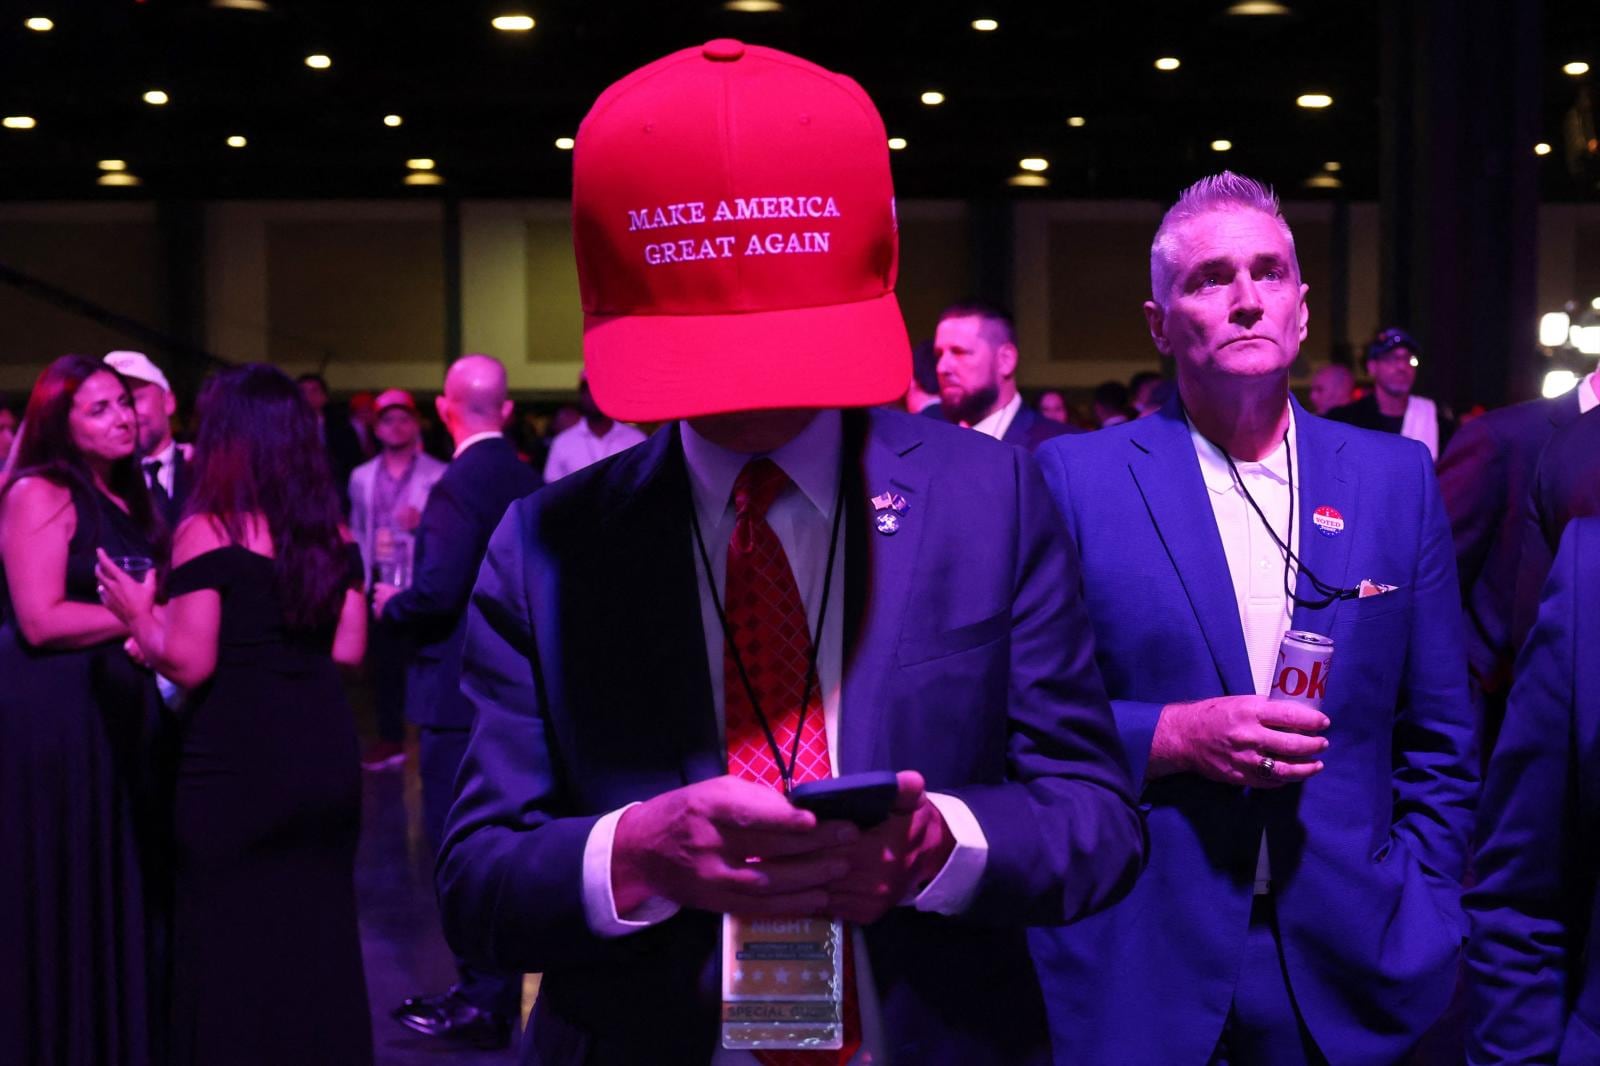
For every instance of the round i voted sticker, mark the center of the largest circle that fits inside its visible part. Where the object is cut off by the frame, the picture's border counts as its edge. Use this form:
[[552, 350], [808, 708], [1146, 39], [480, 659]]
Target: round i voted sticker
[[1330, 523]]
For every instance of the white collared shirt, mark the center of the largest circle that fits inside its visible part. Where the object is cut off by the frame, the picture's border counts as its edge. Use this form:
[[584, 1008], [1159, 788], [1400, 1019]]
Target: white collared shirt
[[490, 434], [1589, 393], [802, 519], [1255, 561], [997, 422], [577, 447]]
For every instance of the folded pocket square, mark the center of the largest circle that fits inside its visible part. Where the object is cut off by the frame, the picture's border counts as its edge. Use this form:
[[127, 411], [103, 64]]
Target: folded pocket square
[[1369, 587]]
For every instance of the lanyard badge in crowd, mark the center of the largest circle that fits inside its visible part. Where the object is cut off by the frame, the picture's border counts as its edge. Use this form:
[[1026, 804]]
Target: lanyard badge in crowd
[[785, 768], [1326, 593]]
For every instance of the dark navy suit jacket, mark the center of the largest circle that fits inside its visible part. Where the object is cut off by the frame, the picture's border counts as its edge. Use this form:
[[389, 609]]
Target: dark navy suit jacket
[[969, 659], [1534, 963], [1485, 475], [462, 512], [1566, 485], [1367, 856], [1028, 429]]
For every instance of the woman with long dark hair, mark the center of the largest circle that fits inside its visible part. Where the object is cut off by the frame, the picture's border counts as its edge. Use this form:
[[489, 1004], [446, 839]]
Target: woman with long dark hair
[[264, 599], [75, 718]]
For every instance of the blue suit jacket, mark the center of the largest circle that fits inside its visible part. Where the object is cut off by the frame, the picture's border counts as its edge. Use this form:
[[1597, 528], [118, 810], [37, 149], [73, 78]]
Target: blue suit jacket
[[463, 509], [1367, 856], [969, 659], [1534, 964]]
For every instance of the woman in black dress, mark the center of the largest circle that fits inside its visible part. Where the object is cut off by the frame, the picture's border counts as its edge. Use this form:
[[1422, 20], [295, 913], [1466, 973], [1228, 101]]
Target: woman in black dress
[[75, 728], [264, 600]]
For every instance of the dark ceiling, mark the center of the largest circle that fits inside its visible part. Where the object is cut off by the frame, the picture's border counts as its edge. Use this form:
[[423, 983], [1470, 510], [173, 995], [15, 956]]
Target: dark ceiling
[[488, 106]]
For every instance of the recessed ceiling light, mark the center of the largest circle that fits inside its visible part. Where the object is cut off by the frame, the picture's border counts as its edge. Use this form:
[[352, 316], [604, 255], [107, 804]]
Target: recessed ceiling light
[[392, 121], [39, 24], [1028, 181], [423, 177], [242, 5], [1323, 181], [1541, 149], [1077, 122], [18, 122], [1577, 68], [566, 144], [933, 98], [1333, 166], [1034, 164], [419, 164], [897, 144], [124, 180], [1314, 101], [1595, 303], [1221, 144], [512, 23], [753, 7], [157, 98], [985, 25], [237, 141], [1168, 63], [113, 164], [1258, 7], [318, 61]]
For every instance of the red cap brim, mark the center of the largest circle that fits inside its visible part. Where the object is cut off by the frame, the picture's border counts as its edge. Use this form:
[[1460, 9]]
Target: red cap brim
[[653, 368]]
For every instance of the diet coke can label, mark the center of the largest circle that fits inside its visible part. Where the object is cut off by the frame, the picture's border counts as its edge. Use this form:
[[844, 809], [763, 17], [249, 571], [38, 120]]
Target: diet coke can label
[[1304, 661]]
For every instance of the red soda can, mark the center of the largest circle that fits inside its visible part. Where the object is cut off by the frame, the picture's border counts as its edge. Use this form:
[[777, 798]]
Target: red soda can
[[1304, 660]]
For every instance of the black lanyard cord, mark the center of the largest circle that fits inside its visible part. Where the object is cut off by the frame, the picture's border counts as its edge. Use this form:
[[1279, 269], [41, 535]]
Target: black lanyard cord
[[1328, 593], [785, 770]]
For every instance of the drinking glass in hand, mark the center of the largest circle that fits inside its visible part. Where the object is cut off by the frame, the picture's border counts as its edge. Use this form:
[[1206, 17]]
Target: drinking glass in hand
[[135, 566]]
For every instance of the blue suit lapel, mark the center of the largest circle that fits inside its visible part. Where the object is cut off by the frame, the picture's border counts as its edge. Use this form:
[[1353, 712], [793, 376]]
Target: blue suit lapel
[[653, 551], [1167, 472], [1326, 478], [880, 574]]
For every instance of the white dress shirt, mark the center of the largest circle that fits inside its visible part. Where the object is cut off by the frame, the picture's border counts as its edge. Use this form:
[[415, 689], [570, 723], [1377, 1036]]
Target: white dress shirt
[[1255, 561], [1589, 393], [802, 519], [577, 447], [997, 422]]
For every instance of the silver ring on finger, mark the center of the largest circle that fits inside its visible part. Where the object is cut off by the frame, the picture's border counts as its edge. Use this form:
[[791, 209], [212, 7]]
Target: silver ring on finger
[[1267, 766], [100, 590]]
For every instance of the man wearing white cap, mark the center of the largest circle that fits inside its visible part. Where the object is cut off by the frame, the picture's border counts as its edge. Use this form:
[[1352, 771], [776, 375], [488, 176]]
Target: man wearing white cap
[[165, 462], [661, 644]]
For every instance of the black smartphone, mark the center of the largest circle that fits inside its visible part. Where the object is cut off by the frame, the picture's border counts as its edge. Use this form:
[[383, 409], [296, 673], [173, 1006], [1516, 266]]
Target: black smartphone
[[865, 799]]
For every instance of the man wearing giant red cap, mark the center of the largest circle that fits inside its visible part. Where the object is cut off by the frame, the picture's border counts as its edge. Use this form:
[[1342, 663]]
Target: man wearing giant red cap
[[662, 644]]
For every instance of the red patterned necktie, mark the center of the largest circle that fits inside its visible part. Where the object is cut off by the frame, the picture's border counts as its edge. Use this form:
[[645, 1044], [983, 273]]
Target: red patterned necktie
[[767, 625]]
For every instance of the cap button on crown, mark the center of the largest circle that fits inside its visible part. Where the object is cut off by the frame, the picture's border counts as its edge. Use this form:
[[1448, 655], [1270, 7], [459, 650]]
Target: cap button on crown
[[723, 49]]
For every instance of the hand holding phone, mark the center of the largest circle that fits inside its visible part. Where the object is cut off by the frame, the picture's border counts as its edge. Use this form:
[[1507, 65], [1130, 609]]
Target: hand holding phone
[[865, 799]]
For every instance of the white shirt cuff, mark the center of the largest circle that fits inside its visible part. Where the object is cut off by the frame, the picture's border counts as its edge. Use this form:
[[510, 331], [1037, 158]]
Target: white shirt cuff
[[599, 903], [952, 890]]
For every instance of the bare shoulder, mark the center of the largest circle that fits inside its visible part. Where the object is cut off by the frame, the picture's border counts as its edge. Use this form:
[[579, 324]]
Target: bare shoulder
[[195, 536], [36, 503]]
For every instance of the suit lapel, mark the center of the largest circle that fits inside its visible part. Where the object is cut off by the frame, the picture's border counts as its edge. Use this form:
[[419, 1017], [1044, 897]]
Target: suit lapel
[[1326, 478], [1167, 472], [652, 545], [1017, 431], [880, 573]]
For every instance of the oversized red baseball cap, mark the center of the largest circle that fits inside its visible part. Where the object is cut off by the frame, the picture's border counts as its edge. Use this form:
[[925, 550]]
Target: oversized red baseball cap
[[734, 222]]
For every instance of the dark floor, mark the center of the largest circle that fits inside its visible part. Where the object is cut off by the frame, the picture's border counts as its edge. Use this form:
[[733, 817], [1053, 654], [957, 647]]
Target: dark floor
[[400, 939]]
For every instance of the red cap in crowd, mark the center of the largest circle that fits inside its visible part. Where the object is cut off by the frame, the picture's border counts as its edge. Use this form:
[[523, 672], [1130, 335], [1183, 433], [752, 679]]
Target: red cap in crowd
[[734, 222], [394, 398]]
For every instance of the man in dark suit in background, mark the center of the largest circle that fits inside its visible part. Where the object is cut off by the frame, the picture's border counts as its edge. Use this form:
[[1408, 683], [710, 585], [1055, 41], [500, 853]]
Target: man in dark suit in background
[[975, 348], [1534, 957], [338, 435], [1486, 474], [660, 643], [165, 462], [463, 509]]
